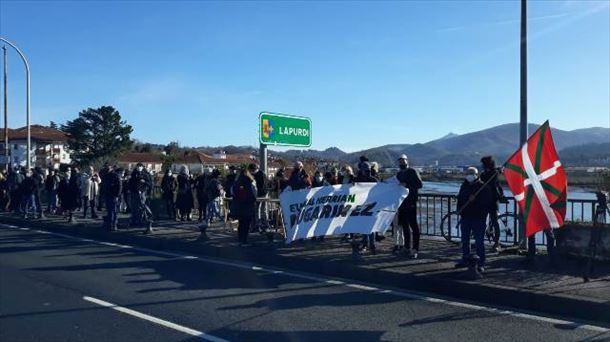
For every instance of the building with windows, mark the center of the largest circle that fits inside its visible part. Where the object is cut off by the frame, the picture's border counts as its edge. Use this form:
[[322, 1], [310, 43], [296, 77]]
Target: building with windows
[[49, 147]]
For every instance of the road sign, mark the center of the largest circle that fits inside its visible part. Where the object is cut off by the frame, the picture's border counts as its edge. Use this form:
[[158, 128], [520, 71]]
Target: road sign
[[286, 130]]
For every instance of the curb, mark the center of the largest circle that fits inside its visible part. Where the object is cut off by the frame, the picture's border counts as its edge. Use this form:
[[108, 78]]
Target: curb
[[561, 306]]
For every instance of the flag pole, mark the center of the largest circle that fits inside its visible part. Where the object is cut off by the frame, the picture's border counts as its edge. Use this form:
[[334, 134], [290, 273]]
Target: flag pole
[[523, 107]]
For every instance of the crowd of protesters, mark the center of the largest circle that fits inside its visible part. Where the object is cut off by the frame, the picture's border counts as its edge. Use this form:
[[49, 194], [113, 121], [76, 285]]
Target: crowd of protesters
[[73, 192]]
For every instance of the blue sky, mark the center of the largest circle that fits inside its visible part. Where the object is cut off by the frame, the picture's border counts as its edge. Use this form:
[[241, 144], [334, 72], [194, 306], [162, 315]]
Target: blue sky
[[367, 73]]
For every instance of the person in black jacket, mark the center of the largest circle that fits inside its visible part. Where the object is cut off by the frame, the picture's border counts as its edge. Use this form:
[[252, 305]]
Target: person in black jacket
[[489, 176], [113, 190], [262, 216], [140, 187], [72, 199], [318, 180], [299, 179], [39, 179], [364, 176], [168, 187], [230, 180], [28, 194], [407, 213], [473, 202], [202, 198], [184, 197], [51, 185], [243, 204]]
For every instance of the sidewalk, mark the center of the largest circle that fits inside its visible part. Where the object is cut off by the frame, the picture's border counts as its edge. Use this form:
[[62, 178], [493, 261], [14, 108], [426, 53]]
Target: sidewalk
[[540, 288]]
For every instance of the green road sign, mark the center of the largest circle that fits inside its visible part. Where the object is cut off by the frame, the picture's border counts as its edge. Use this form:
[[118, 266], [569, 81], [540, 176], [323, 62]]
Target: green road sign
[[281, 129]]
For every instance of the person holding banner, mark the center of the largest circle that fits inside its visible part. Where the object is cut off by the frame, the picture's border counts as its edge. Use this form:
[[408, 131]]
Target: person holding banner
[[364, 176], [243, 205], [407, 213]]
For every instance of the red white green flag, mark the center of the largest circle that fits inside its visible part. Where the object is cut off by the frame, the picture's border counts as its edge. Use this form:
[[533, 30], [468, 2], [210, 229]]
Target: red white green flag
[[538, 182]]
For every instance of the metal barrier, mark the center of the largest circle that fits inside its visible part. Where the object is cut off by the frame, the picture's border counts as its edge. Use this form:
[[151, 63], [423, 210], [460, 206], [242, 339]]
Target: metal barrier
[[431, 208]]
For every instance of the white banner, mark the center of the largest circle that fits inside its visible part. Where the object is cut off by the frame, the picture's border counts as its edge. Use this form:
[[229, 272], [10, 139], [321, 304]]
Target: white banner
[[362, 208]]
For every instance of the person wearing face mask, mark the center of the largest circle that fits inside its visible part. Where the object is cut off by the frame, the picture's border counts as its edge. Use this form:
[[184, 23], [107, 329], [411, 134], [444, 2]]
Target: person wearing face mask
[[473, 203], [318, 180], [329, 179], [299, 179], [407, 212], [140, 185], [346, 176], [168, 187]]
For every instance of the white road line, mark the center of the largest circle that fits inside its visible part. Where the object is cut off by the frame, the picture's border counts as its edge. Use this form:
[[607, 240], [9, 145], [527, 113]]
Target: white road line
[[156, 320], [328, 280]]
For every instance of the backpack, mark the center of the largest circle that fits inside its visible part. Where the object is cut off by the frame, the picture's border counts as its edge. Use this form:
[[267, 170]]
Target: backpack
[[242, 193]]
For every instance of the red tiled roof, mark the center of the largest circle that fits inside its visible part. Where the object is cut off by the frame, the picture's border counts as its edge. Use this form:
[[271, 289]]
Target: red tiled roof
[[37, 133]]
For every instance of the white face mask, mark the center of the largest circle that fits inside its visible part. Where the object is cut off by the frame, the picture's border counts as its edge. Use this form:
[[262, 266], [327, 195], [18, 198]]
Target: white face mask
[[140, 169], [169, 174], [319, 179], [471, 178]]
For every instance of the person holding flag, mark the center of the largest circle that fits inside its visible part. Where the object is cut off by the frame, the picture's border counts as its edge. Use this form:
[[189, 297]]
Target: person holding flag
[[539, 183]]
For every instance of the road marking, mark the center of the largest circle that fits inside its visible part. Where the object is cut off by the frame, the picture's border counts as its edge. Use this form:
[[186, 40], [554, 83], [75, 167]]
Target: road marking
[[328, 280], [156, 320]]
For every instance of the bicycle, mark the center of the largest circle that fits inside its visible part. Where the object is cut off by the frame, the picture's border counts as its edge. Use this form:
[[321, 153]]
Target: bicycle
[[450, 226]]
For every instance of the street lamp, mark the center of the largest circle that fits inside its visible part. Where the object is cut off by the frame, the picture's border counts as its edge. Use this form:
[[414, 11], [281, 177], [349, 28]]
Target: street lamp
[[27, 98]]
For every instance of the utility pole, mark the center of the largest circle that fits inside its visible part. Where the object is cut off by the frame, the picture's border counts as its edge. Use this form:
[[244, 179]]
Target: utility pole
[[5, 78], [27, 100], [523, 107]]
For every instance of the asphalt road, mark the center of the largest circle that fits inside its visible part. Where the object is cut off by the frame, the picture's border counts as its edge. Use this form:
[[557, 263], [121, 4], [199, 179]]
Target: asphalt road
[[56, 288]]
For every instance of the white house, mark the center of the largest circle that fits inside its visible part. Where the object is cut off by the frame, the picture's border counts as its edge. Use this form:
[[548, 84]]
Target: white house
[[49, 147]]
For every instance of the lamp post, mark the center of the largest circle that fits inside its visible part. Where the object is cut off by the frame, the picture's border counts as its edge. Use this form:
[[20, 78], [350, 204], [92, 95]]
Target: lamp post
[[5, 100], [27, 99]]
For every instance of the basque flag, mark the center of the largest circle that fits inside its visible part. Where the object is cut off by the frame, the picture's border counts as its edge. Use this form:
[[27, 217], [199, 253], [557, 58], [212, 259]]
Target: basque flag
[[538, 181]]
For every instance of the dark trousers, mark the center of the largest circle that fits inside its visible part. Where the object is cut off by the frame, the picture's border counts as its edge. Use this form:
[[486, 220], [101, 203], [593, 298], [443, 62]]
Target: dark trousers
[[87, 203], [550, 243], [170, 207], [476, 226], [37, 195], [112, 206], [203, 206], [243, 228], [407, 218]]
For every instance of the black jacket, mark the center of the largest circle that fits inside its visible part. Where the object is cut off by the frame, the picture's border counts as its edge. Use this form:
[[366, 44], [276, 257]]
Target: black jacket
[[140, 182], [494, 185], [479, 206], [412, 181], [261, 183], [28, 186], [113, 185]]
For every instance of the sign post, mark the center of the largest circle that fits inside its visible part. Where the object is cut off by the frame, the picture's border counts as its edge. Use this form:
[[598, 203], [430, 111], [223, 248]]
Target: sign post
[[282, 130]]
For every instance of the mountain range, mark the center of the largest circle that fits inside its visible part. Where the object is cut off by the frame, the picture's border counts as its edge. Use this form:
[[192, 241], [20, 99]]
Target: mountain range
[[587, 146]]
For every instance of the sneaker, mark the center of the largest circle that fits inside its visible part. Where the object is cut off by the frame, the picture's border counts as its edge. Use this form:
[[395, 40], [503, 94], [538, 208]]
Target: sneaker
[[481, 269], [414, 254]]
